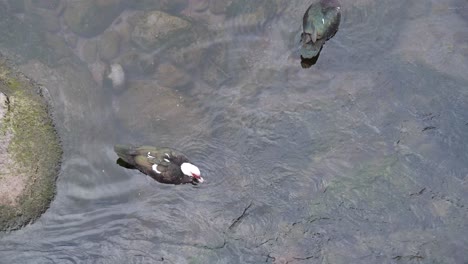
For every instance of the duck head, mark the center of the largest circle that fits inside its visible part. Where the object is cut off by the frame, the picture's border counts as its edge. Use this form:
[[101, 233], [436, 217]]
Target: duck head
[[309, 51], [191, 171], [309, 32], [309, 35], [309, 45]]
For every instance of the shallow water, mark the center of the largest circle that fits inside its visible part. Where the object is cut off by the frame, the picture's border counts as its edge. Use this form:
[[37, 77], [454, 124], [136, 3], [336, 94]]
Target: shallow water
[[361, 158]]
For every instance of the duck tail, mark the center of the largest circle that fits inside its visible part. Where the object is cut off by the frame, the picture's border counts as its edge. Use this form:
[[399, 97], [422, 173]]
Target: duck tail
[[125, 153]]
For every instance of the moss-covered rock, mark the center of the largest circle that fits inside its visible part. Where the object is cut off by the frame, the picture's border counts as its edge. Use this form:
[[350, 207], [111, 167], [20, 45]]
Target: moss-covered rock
[[31, 151]]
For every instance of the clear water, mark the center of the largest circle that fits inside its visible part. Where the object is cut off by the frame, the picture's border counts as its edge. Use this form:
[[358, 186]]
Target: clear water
[[362, 158]]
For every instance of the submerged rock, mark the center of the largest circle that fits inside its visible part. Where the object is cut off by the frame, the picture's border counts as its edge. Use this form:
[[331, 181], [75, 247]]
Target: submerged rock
[[147, 107], [171, 76], [59, 46], [44, 4], [89, 18], [109, 45], [89, 50], [162, 5], [251, 15], [30, 152], [320, 23], [47, 19], [154, 28], [136, 63], [199, 5], [219, 7]]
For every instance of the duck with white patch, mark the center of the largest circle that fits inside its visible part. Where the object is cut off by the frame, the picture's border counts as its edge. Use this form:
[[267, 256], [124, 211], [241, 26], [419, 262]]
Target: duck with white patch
[[165, 165]]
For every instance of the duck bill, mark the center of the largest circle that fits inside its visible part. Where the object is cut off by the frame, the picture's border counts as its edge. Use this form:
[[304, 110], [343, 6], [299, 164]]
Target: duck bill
[[198, 179], [305, 38]]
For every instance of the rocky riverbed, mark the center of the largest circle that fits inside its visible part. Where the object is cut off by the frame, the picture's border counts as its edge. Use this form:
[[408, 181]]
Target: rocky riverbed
[[359, 159]]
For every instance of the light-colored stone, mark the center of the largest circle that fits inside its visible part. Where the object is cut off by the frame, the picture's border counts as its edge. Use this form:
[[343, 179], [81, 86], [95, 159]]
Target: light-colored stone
[[116, 75], [3, 104], [11, 188]]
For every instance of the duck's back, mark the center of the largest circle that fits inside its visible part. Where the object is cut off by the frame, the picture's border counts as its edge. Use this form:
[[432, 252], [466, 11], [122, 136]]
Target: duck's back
[[325, 17], [331, 10], [162, 164]]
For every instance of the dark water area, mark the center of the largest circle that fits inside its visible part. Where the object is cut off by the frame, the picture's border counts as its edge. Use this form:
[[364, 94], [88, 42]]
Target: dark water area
[[361, 158]]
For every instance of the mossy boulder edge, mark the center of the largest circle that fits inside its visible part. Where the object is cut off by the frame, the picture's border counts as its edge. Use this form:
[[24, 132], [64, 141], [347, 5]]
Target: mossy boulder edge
[[32, 152]]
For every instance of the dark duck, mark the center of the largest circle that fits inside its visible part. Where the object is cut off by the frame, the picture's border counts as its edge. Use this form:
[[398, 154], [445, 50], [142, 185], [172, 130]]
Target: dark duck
[[320, 23], [165, 165]]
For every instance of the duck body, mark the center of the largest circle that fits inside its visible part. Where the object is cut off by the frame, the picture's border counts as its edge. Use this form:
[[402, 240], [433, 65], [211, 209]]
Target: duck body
[[319, 24], [165, 165]]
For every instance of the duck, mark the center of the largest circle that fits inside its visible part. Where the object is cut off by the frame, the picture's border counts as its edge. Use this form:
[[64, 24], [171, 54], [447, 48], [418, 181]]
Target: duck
[[164, 165], [319, 24]]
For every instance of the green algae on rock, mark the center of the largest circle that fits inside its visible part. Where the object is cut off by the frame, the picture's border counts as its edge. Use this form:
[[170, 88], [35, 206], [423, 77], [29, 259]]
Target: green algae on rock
[[30, 150]]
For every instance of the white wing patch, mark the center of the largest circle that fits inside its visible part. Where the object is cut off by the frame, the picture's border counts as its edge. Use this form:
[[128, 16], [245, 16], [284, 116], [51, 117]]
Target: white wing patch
[[167, 155], [149, 155], [166, 160], [155, 168], [323, 21]]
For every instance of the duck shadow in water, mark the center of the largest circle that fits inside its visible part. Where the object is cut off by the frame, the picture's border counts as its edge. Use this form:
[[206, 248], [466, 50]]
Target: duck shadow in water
[[307, 63], [124, 164]]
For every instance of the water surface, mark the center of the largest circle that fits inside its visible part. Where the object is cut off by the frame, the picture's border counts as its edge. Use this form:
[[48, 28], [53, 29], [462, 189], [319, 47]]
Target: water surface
[[361, 158]]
